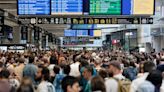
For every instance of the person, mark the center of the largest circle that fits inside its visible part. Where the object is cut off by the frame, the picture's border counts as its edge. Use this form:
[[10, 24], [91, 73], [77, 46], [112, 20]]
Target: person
[[87, 74], [97, 84], [131, 71], [147, 67], [103, 73], [53, 59], [61, 58], [38, 77], [83, 64], [146, 86], [26, 85], [97, 63], [30, 70], [70, 84], [1, 66], [59, 77], [19, 69], [160, 67], [4, 82], [155, 77], [10, 64], [2, 58], [114, 71], [53, 62], [56, 71], [45, 85], [75, 67]]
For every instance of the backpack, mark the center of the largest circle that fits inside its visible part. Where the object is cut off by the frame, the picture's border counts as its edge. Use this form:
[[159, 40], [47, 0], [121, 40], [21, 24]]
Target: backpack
[[123, 85], [130, 73]]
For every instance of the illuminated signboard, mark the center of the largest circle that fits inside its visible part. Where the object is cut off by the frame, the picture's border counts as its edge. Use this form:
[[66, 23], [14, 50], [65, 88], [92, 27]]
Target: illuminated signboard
[[143, 7], [66, 7], [96, 33], [126, 7], [69, 32], [105, 7], [33, 7], [82, 32]]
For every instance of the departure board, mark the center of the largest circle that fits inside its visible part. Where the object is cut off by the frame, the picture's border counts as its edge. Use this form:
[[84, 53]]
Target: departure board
[[143, 7], [69, 32], [82, 32], [105, 7], [33, 7], [67, 7], [126, 7]]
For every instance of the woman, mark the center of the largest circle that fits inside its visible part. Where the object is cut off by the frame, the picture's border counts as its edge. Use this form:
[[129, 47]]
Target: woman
[[26, 85], [97, 84]]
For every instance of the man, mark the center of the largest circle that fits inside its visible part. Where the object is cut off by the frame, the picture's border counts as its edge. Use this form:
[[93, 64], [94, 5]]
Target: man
[[70, 84], [98, 63], [19, 69], [147, 67], [75, 67], [87, 74], [4, 81], [2, 58], [45, 86], [160, 67], [115, 72], [1, 66], [38, 77], [30, 70]]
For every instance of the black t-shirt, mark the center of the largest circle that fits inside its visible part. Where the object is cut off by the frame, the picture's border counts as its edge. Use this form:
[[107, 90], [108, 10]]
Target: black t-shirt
[[160, 68]]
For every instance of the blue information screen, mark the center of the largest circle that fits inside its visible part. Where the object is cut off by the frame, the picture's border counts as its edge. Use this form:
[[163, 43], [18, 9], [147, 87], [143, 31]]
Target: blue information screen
[[91, 32], [69, 32], [82, 32], [33, 7], [126, 7], [67, 7]]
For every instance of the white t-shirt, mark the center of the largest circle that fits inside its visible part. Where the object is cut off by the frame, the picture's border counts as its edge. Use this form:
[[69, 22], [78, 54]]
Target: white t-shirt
[[137, 82], [111, 85], [45, 86], [75, 69]]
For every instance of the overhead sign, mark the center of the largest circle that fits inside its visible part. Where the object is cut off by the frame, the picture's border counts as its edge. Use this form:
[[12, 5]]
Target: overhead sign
[[135, 20], [16, 48]]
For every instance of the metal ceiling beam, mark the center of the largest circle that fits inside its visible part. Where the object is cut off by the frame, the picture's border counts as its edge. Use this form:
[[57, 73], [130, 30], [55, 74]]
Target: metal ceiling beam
[[8, 2]]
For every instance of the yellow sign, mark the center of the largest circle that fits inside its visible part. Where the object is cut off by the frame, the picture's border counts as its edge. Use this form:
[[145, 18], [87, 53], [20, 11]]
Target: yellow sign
[[97, 32], [143, 7]]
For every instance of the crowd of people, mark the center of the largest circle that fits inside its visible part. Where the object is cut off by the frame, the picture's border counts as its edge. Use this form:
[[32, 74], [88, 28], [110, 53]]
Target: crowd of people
[[81, 71]]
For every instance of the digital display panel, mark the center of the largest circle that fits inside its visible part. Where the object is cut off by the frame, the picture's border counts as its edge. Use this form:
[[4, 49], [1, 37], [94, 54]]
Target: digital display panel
[[105, 7], [67, 7], [97, 33], [91, 32], [143, 7], [126, 7], [33, 7], [82, 32], [69, 32]]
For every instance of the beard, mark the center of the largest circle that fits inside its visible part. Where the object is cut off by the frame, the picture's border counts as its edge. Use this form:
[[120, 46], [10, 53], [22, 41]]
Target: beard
[[110, 74]]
